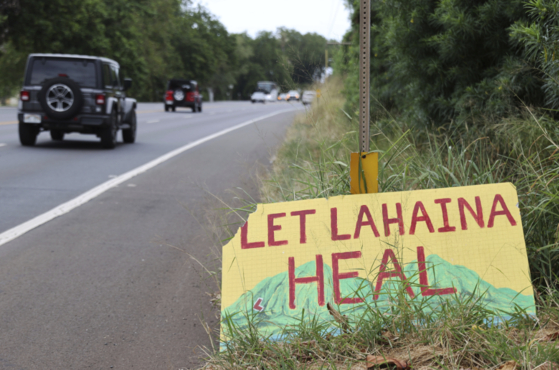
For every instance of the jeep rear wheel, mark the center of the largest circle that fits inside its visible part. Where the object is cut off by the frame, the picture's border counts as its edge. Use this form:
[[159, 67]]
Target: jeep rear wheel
[[28, 134], [129, 134], [108, 133]]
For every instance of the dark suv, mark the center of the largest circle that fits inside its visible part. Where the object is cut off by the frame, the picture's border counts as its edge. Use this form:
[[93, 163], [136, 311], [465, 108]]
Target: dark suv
[[183, 93], [65, 93]]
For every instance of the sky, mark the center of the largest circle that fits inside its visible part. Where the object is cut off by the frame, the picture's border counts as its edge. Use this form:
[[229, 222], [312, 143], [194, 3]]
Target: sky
[[329, 18]]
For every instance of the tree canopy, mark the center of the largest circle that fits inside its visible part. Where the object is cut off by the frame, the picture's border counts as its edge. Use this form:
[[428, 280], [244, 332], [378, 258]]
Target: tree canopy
[[154, 40], [456, 60]]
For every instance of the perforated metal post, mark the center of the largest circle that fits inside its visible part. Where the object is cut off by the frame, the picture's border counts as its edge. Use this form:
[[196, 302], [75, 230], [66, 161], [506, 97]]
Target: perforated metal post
[[364, 73]]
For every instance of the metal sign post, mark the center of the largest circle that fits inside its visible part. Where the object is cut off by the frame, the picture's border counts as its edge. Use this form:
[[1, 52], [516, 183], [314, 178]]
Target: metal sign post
[[364, 165], [364, 74]]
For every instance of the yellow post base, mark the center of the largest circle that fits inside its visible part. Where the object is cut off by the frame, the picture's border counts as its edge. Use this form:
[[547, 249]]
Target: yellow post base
[[363, 169]]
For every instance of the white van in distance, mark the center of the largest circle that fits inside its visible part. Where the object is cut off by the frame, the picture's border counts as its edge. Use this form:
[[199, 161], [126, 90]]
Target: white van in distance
[[266, 91]]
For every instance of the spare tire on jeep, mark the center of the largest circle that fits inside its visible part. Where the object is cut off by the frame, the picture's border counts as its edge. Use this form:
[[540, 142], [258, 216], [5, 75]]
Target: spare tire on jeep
[[61, 98]]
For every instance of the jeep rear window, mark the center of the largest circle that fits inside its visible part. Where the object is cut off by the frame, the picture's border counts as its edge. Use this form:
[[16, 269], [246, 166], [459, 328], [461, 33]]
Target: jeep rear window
[[82, 71], [178, 84]]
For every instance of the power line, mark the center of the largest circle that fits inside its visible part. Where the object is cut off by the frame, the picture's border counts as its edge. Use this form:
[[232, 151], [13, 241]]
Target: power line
[[334, 19]]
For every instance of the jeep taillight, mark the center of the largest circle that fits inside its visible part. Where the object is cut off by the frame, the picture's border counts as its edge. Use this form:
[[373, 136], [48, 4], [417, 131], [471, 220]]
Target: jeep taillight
[[24, 96], [189, 96], [100, 99], [169, 95]]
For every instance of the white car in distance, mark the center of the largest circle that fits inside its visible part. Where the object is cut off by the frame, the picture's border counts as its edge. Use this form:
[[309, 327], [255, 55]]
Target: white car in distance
[[260, 97], [292, 95]]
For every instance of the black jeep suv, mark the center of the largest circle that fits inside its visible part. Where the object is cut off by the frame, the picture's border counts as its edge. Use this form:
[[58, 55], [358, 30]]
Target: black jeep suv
[[65, 93], [183, 93]]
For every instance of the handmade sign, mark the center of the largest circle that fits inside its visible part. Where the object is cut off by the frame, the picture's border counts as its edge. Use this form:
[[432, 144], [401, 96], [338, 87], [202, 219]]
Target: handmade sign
[[362, 250]]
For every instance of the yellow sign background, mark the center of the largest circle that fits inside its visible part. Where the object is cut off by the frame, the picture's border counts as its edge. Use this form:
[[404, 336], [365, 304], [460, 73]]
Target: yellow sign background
[[496, 251]]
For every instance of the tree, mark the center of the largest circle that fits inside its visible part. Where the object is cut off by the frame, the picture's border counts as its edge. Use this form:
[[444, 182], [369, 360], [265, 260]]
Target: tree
[[538, 37], [263, 60], [442, 61], [305, 53], [206, 50], [153, 40], [12, 64]]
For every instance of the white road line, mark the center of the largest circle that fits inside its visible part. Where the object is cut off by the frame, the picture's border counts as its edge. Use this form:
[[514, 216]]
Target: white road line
[[2, 144], [21, 229], [153, 121]]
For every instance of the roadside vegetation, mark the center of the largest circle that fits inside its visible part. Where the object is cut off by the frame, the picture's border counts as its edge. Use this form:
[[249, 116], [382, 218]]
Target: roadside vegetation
[[437, 122], [314, 162]]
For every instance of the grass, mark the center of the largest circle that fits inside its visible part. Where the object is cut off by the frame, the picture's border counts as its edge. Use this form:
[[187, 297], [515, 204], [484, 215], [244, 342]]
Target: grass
[[314, 162], [456, 338]]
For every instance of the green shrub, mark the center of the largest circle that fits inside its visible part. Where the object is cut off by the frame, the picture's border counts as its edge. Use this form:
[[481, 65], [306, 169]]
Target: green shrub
[[437, 62], [539, 38]]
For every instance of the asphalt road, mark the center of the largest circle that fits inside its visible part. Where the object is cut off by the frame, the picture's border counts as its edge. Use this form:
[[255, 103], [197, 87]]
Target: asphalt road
[[114, 283]]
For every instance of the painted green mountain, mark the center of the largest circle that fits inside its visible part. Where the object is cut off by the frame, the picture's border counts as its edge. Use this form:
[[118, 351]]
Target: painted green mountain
[[276, 313]]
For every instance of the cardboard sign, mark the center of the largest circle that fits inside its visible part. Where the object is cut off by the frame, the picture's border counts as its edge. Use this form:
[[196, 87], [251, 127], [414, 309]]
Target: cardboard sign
[[358, 250]]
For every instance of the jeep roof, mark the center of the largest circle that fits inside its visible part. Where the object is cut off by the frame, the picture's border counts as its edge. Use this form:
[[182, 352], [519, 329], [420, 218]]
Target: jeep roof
[[76, 56]]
